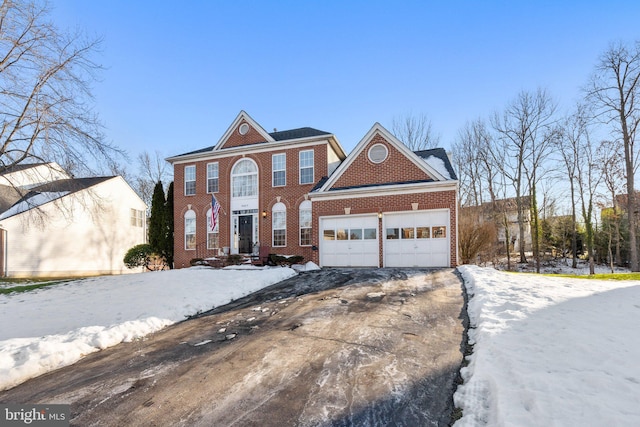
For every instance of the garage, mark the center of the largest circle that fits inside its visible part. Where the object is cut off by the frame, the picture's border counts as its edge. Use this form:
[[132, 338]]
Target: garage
[[417, 239], [349, 241]]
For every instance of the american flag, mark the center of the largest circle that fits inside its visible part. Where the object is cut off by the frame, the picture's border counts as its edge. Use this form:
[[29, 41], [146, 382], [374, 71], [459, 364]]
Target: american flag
[[215, 210]]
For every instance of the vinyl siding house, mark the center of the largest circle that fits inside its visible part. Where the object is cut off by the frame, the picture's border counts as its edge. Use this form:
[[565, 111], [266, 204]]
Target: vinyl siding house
[[298, 193], [53, 225]]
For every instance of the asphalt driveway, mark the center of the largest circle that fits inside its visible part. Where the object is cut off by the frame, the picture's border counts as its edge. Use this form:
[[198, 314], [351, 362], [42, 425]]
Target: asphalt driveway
[[334, 347]]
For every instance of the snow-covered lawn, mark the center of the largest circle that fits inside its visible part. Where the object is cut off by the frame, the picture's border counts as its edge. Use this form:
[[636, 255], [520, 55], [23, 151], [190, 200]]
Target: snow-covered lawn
[[52, 327], [550, 351]]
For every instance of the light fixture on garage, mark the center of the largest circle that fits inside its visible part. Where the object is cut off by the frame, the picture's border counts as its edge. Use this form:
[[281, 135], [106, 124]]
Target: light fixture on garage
[[264, 214], [379, 214]]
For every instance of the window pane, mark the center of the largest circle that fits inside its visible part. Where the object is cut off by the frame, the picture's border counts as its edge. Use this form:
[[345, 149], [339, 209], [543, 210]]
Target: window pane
[[342, 234], [393, 233], [189, 180], [279, 237], [190, 241], [279, 178], [306, 167], [305, 218], [245, 185], [408, 233], [279, 220], [355, 234], [370, 233], [329, 234], [439, 232], [212, 178], [190, 225], [213, 240], [305, 237], [423, 232]]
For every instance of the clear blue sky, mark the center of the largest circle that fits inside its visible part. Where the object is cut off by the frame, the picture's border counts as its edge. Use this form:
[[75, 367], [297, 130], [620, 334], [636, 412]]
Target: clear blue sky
[[177, 73]]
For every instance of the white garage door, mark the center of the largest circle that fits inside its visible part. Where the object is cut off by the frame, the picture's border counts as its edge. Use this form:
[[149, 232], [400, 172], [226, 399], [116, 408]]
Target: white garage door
[[417, 239], [349, 241]]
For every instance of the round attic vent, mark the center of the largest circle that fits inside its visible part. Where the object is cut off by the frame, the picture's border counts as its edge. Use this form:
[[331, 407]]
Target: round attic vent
[[243, 129], [378, 153]]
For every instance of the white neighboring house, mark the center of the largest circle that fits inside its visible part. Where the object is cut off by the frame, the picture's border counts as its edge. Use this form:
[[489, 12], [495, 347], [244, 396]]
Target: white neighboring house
[[53, 225]]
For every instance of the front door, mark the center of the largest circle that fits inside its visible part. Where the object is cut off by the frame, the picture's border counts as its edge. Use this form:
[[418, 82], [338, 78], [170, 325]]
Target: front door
[[245, 231]]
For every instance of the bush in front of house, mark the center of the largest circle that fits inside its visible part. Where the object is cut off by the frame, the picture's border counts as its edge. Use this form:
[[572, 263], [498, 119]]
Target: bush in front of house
[[275, 259], [139, 256]]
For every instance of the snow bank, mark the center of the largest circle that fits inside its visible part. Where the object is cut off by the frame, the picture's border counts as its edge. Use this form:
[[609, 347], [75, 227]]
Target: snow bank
[[52, 327], [550, 351]]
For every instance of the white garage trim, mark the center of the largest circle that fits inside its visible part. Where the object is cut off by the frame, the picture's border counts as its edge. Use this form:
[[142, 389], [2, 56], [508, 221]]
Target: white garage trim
[[349, 241], [417, 238]]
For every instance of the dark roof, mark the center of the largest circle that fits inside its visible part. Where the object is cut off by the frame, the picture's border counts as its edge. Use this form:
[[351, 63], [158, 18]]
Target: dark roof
[[380, 185], [9, 196], [320, 183], [305, 132], [18, 167], [283, 135], [442, 155], [69, 185]]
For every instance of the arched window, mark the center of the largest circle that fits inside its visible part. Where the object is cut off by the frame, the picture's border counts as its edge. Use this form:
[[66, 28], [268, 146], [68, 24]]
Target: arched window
[[213, 236], [279, 224], [244, 179], [190, 230], [305, 223]]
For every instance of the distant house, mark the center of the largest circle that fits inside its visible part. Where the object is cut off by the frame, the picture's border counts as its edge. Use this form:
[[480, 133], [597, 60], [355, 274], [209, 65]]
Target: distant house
[[54, 225], [298, 193], [504, 214]]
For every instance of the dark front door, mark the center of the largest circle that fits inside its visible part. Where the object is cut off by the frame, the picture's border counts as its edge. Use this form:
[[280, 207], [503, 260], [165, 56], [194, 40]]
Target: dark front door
[[246, 234]]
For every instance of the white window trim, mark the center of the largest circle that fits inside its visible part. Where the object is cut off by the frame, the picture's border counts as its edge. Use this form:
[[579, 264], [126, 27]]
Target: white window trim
[[278, 208], [190, 180], [313, 169], [217, 177], [273, 170], [235, 175], [190, 215], [305, 206]]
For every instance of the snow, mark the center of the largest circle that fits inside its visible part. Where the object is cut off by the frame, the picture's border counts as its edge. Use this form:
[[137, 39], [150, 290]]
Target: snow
[[550, 351], [438, 164], [33, 201], [55, 326]]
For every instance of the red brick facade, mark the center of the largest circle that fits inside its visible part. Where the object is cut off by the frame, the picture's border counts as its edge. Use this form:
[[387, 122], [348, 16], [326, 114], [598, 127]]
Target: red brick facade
[[330, 200]]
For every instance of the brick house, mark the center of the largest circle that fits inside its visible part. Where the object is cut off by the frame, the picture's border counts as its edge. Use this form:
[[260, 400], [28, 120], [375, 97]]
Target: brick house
[[298, 193]]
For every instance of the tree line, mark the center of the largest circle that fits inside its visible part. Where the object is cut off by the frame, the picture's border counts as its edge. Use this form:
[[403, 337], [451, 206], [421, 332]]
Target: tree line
[[583, 161]]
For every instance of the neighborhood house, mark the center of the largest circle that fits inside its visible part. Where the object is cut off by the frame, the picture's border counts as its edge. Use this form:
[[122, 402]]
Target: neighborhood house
[[296, 192], [54, 225]]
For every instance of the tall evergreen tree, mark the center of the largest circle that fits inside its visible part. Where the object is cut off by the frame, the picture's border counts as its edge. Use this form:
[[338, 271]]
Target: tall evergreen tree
[[168, 238], [157, 222]]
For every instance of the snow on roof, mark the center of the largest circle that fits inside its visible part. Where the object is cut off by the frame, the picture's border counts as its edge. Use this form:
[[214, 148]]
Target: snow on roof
[[38, 199], [438, 164]]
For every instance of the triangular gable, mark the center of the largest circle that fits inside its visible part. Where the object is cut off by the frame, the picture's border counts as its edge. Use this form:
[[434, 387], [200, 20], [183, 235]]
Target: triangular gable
[[235, 136], [401, 165]]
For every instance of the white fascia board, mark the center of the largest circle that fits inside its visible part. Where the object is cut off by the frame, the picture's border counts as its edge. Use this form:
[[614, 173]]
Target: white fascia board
[[387, 190], [388, 136], [254, 148], [234, 125]]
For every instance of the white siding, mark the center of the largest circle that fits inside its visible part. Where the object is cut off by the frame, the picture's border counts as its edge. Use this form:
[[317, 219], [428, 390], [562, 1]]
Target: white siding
[[84, 233]]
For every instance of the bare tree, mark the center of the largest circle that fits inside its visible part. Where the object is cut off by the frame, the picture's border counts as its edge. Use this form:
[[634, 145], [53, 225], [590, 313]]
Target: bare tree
[[610, 161], [152, 168], [45, 92], [523, 142], [613, 89], [415, 132]]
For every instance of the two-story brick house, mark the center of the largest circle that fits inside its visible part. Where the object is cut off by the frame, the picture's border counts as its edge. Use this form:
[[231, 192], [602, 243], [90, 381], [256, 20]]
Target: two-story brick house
[[298, 193]]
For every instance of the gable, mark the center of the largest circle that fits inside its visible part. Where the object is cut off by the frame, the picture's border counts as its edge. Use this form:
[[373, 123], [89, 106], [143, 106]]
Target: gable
[[243, 131], [395, 168]]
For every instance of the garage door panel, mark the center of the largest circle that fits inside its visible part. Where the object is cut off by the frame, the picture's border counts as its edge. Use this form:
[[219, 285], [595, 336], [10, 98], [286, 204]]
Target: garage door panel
[[420, 239], [355, 242]]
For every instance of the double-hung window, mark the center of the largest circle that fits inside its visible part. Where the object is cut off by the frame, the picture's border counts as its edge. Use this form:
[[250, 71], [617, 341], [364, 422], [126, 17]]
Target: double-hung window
[[279, 224], [190, 230], [305, 223], [212, 178], [306, 167], [278, 165], [190, 180]]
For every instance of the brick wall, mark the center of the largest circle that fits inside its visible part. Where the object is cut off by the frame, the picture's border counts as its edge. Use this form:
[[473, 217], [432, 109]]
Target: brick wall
[[390, 203], [291, 195]]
